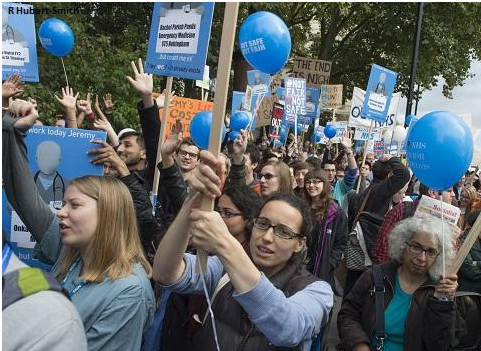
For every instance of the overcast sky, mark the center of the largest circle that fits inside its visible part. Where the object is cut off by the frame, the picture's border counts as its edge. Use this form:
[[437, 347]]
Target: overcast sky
[[466, 99]]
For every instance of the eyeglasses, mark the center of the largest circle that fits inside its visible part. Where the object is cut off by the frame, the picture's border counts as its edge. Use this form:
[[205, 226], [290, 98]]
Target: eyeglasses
[[313, 182], [281, 231], [418, 250], [268, 176], [184, 153], [226, 213]]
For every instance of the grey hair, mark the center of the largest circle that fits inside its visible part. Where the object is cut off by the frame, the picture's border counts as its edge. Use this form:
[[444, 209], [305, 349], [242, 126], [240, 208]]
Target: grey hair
[[431, 227]]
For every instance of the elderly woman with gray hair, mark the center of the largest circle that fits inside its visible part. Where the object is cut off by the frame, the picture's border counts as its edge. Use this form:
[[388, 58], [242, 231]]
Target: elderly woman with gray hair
[[415, 303]]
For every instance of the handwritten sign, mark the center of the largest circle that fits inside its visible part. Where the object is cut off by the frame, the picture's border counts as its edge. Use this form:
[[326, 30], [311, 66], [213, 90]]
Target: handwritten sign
[[315, 72], [331, 96]]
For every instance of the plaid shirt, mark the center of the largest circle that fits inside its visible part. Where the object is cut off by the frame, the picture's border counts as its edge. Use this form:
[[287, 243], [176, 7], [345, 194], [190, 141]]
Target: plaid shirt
[[380, 252]]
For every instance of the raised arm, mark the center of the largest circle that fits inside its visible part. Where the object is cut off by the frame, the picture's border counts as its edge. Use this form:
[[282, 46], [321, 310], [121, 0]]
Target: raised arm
[[12, 87], [103, 123], [68, 101], [22, 193]]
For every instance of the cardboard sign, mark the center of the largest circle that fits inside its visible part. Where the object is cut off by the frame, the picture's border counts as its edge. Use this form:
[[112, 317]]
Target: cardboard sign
[[181, 113], [264, 112], [179, 38], [356, 119], [331, 96], [276, 120], [315, 72], [379, 147], [19, 44], [378, 93]]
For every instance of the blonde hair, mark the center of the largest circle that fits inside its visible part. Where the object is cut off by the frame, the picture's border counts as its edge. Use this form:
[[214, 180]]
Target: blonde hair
[[284, 174], [116, 244]]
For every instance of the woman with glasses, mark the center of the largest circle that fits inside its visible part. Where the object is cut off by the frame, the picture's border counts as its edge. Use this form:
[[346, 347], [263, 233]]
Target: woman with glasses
[[467, 198], [270, 299], [275, 178], [419, 308]]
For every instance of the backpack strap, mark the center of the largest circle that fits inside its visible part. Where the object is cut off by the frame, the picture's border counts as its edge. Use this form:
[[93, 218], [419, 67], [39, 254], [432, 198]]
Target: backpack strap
[[25, 282], [362, 207], [379, 291], [220, 284]]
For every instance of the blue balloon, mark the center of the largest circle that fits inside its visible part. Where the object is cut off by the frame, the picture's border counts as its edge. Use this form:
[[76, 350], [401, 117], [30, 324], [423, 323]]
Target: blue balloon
[[239, 120], [316, 137], [56, 37], [439, 149], [265, 41], [330, 131], [233, 134], [200, 129], [407, 120]]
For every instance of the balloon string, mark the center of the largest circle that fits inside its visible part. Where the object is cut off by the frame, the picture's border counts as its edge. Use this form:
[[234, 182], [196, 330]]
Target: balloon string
[[209, 303], [442, 232], [64, 71]]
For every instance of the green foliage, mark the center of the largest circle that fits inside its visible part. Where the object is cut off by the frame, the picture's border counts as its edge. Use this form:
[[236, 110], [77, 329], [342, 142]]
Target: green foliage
[[352, 35]]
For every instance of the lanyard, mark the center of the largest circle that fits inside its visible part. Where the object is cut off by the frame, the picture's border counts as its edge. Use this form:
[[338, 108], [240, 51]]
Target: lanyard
[[64, 281], [6, 254]]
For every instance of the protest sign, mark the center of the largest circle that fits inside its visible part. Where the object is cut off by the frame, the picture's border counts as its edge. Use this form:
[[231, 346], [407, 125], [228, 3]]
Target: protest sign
[[295, 96], [179, 38], [429, 207], [264, 112], [205, 82], [248, 98], [356, 119], [331, 96], [340, 127], [56, 155], [181, 112], [315, 72], [362, 133], [259, 81], [379, 148], [276, 120], [378, 93], [312, 102], [19, 44]]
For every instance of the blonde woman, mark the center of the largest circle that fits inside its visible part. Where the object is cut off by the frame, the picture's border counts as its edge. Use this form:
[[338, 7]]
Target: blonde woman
[[92, 242]]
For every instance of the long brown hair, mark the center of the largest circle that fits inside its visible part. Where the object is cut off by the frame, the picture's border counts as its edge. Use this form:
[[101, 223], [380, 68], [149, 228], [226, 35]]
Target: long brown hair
[[284, 174], [116, 244], [319, 206]]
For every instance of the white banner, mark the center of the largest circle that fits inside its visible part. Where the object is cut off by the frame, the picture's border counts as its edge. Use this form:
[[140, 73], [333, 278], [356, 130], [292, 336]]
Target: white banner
[[355, 119], [362, 133]]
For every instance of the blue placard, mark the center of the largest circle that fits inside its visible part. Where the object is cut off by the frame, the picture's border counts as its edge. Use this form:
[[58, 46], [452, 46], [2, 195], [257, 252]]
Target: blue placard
[[312, 102], [378, 93], [179, 39], [56, 155], [260, 82], [238, 99], [19, 43]]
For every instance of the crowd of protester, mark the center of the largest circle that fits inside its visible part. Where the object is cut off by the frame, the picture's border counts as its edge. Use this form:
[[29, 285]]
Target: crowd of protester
[[279, 243]]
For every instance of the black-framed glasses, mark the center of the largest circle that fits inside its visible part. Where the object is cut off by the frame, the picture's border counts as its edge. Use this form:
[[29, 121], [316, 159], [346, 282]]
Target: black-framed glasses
[[268, 176], [226, 213], [281, 231], [418, 250], [313, 181], [184, 153]]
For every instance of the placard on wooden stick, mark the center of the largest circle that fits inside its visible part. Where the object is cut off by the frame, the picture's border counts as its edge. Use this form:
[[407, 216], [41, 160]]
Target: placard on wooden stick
[[220, 99], [466, 247]]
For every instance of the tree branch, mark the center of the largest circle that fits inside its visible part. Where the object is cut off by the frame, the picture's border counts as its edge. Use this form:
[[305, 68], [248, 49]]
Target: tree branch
[[351, 33]]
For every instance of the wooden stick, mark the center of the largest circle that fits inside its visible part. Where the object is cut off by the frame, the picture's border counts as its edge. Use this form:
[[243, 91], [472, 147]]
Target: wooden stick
[[466, 247], [202, 94], [223, 75], [163, 127], [366, 146]]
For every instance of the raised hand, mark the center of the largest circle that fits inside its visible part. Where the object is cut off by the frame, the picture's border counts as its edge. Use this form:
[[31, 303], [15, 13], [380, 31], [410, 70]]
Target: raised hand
[[161, 99], [346, 140], [106, 153], [142, 82], [68, 99], [26, 114], [12, 86], [109, 104], [171, 144], [84, 106], [240, 146]]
